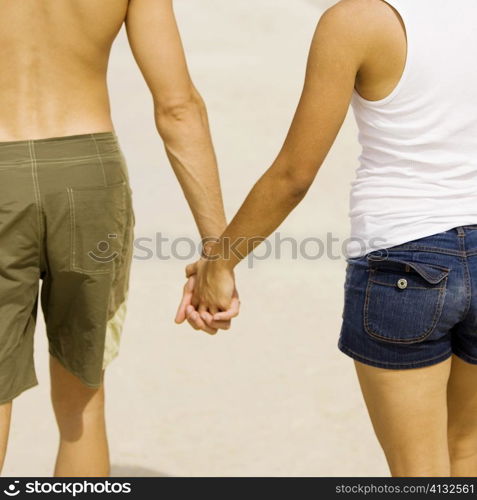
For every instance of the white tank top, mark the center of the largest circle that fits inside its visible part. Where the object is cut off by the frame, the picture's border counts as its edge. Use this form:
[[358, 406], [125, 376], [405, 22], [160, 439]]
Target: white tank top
[[418, 168]]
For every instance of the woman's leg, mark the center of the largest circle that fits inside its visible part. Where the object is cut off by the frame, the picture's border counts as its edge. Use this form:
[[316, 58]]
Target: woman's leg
[[462, 427], [408, 409], [79, 412], [5, 416]]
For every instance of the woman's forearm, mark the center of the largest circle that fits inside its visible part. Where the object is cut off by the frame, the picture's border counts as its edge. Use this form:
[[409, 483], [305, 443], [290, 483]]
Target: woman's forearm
[[268, 204]]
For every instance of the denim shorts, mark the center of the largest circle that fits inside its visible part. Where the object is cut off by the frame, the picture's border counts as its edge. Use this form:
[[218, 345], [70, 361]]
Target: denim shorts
[[415, 304]]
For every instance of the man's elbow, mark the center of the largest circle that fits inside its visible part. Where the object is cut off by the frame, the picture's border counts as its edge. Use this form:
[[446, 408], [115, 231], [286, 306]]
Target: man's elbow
[[179, 108]]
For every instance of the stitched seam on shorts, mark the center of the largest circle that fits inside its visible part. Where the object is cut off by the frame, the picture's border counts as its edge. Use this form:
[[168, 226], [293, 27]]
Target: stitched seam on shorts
[[8, 165], [90, 271], [407, 287], [468, 288], [99, 188], [462, 353], [100, 159], [120, 258], [400, 363], [416, 267], [73, 265], [391, 340], [348, 274], [72, 228], [67, 139], [59, 159], [419, 248], [127, 216], [36, 188]]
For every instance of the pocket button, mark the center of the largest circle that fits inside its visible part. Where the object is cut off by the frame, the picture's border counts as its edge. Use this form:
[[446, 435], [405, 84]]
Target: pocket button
[[402, 284]]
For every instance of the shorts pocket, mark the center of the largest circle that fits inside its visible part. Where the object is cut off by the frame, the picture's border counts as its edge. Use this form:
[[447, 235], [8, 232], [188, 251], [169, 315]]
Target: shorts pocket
[[404, 299], [98, 225]]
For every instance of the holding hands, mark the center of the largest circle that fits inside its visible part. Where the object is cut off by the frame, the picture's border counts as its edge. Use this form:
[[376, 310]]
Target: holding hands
[[210, 300]]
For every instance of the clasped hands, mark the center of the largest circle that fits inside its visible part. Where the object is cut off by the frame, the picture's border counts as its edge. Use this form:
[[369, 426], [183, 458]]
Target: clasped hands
[[210, 300]]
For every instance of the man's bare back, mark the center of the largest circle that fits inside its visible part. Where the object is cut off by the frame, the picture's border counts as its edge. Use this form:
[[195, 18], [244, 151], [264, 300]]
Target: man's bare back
[[53, 63]]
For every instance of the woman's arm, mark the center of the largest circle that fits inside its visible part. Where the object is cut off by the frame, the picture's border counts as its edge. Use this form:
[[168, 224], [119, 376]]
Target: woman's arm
[[337, 53], [334, 60]]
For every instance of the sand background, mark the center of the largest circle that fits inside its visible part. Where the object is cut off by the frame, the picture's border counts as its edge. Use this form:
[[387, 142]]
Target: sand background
[[274, 396]]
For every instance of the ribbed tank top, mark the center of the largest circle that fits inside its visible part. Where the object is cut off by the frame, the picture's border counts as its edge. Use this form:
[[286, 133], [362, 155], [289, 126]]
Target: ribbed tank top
[[417, 173]]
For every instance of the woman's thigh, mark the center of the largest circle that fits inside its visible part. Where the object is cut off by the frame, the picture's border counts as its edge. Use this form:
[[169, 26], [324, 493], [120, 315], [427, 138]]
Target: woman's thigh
[[408, 410]]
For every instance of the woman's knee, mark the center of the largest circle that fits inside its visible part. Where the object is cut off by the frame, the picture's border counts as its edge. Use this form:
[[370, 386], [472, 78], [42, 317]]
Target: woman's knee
[[403, 469], [462, 443], [414, 461]]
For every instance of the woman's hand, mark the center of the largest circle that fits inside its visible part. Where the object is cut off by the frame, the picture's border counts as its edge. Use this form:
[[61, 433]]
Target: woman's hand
[[210, 299]]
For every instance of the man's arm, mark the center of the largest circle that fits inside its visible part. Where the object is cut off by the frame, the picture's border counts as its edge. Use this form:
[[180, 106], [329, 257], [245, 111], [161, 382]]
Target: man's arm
[[180, 113], [337, 53]]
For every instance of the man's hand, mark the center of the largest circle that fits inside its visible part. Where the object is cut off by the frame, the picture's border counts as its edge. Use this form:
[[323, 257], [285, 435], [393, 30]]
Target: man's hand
[[210, 299]]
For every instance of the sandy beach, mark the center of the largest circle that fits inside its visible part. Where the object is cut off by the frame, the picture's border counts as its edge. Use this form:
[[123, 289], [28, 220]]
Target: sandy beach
[[273, 396]]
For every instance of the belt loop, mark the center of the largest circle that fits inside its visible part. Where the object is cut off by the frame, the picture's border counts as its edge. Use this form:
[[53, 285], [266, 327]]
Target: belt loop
[[460, 231]]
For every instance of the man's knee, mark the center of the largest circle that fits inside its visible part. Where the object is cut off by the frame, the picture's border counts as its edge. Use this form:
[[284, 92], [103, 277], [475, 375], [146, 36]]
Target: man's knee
[[77, 403], [77, 415]]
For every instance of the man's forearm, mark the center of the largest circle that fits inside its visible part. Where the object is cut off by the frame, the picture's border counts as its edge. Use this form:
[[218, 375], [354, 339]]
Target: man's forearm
[[185, 131]]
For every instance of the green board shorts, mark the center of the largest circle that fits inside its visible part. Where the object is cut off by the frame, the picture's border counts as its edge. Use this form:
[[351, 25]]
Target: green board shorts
[[67, 220]]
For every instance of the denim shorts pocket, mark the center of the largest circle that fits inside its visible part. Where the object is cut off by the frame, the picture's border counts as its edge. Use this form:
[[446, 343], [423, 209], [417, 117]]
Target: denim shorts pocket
[[404, 299], [99, 222]]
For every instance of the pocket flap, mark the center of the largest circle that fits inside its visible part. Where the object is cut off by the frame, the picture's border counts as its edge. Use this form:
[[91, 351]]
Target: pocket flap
[[432, 273]]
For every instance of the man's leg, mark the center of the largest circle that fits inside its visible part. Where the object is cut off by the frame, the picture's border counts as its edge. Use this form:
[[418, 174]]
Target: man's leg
[[5, 417], [408, 409], [79, 412], [462, 428], [89, 244]]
